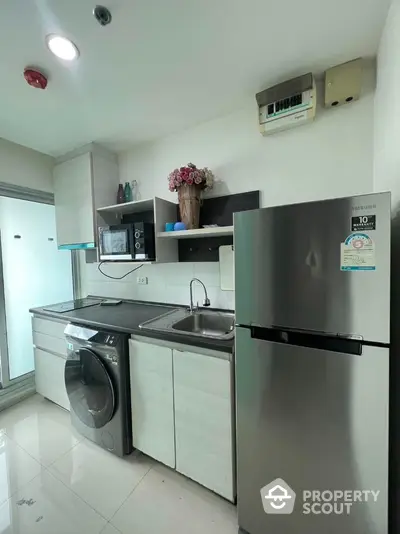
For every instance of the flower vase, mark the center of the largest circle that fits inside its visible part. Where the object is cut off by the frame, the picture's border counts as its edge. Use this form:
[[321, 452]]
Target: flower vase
[[189, 205]]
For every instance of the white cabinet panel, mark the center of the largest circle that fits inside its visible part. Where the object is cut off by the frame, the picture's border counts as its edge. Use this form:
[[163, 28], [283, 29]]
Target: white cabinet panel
[[203, 420], [50, 343], [152, 401], [73, 195], [49, 327], [49, 376]]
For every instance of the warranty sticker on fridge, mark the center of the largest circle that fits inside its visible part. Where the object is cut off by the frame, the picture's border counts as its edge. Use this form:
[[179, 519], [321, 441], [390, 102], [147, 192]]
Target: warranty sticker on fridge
[[357, 253]]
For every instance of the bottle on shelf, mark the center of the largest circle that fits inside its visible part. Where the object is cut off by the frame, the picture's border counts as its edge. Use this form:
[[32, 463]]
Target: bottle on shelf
[[120, 194], [135, 191], [127, 192]]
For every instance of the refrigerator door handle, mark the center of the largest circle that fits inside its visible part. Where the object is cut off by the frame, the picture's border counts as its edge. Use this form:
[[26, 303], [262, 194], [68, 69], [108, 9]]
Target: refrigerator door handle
[[357, 337], [311, 340]]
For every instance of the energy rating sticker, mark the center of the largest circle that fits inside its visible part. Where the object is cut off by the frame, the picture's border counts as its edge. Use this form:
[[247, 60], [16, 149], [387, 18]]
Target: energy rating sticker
[[357, 253]]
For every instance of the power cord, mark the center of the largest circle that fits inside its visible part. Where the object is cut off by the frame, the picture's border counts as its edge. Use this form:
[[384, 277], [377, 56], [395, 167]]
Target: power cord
[[116, 277]]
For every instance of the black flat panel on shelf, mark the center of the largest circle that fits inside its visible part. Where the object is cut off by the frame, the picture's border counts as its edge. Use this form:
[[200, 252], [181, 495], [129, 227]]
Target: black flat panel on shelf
[[220, 210], [203, 248], [141, 216], [216, 210]]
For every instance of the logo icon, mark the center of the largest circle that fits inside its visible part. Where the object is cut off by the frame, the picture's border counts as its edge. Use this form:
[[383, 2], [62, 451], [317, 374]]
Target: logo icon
[[278, 497]]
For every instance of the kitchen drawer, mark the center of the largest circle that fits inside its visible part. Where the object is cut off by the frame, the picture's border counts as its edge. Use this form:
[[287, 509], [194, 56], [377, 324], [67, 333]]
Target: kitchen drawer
[[50, 343], [49, 377], [49, 327]]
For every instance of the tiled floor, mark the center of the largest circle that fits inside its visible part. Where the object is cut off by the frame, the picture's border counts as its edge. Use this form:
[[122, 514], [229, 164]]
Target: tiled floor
[[54, 481]]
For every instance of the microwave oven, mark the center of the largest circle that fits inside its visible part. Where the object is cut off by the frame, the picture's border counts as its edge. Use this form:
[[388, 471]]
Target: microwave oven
[[134, 242]]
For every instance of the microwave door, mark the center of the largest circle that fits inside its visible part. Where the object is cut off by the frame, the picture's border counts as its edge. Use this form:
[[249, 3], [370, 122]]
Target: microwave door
[[115, 245]]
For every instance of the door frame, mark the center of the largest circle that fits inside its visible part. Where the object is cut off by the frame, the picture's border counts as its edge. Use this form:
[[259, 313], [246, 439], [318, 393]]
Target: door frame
[[13, 390]]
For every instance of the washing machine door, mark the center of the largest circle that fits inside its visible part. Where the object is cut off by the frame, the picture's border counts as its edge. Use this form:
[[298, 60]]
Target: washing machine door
[[89, 388]]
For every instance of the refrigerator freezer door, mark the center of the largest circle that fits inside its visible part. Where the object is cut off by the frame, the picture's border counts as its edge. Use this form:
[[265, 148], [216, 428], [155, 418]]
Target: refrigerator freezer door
[[288, 267], [319, 421]]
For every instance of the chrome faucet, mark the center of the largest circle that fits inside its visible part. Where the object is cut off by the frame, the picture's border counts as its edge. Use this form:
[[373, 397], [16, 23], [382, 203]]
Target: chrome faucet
[[206, 299]]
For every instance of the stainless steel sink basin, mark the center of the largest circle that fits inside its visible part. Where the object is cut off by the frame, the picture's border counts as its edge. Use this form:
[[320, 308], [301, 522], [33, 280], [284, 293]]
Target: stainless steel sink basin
[[217, 325], [200, 323]]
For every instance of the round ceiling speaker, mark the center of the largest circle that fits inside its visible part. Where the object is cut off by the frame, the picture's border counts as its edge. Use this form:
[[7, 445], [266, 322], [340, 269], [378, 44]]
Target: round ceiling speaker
[[35, 78]]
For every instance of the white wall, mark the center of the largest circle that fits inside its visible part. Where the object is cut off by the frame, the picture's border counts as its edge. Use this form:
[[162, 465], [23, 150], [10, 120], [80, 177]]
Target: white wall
[[25, 167], [387, 177], [387, 109], [168, 282], [331, 157]]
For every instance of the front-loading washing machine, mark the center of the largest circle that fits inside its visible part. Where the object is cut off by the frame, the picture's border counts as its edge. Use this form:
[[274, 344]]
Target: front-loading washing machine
[[97, 384]]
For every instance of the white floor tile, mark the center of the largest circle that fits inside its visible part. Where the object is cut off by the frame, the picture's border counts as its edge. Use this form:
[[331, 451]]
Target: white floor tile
[[22, 410], [109, 529], [44, 431], [166, 502], [17, 468], [101, 479], [86, 483], [46, 506]]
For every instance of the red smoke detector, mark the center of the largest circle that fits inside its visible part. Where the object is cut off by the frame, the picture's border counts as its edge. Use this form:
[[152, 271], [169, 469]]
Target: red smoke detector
[[35, 78]]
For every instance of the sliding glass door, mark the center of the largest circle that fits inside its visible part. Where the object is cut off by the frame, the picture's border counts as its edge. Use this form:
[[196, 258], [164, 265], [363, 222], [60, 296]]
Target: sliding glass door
[[33, 272]]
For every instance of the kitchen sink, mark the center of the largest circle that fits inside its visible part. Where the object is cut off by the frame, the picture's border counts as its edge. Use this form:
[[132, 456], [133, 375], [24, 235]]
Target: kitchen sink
[[217, 325], [199, 323]]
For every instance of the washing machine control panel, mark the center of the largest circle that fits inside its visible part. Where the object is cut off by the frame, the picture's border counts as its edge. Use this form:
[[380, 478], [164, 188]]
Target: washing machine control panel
[[102, 338], [110, 339]]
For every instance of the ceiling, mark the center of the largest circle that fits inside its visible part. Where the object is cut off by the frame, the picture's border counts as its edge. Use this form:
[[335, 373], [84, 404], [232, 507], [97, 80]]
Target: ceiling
[[163, 65]]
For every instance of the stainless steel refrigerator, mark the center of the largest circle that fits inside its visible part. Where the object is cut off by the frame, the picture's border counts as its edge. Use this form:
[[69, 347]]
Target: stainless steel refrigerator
[[312, 286]]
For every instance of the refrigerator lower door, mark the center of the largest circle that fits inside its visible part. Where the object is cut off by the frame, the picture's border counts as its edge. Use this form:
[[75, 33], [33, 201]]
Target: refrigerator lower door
[[318, 420]]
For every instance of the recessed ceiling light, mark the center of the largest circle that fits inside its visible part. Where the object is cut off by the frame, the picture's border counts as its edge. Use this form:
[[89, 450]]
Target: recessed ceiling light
[[62, 47]]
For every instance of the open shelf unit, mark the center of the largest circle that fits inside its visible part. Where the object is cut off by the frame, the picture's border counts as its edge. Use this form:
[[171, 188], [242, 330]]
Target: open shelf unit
[[199, 232], [155, 210], [184, 245], [134, 206]]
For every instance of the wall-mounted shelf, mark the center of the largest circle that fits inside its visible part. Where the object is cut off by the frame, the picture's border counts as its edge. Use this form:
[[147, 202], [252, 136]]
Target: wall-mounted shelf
[[153, 210], [184, 245], [131, 262], [134, 206], [199, 232]]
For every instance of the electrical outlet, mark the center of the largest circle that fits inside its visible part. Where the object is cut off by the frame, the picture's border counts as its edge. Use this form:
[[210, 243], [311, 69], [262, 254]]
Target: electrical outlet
[[142, 280]]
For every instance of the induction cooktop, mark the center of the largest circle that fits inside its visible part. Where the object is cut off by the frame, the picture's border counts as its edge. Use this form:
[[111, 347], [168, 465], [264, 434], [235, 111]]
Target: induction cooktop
[[72, 305]]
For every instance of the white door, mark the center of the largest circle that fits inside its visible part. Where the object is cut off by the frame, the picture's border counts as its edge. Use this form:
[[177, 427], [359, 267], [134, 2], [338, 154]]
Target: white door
[[203, 420], [152, 401], [34, 273]]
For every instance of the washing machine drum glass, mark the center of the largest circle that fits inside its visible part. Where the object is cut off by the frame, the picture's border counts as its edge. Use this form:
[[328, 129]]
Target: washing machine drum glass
[[89, 388]]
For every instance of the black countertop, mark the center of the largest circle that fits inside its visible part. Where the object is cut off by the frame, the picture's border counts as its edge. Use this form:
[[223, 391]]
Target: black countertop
[[127, 316]]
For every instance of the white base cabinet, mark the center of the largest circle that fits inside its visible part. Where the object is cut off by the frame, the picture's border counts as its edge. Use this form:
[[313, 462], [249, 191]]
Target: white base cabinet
[[50, 351], [182, 411], [203, 420], [49, 377], [152, 401]]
